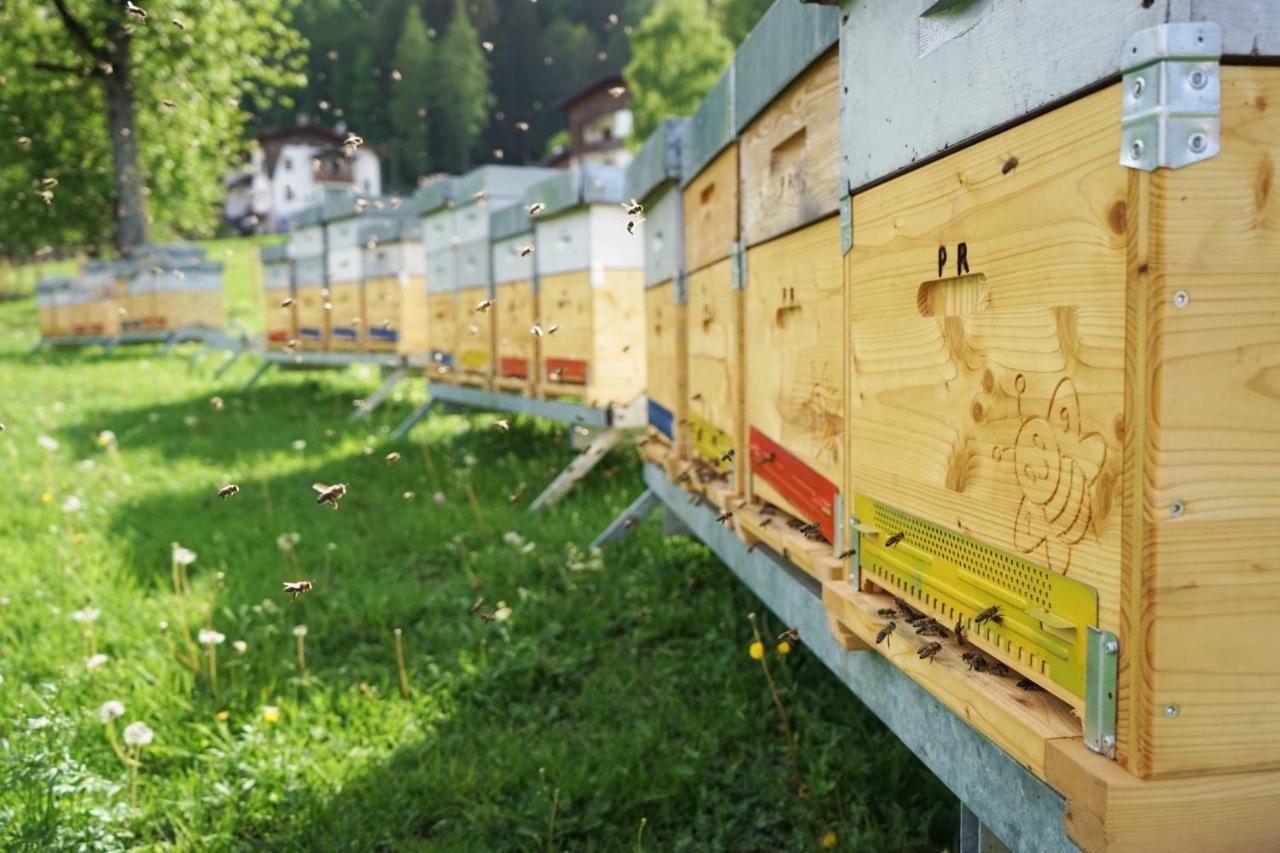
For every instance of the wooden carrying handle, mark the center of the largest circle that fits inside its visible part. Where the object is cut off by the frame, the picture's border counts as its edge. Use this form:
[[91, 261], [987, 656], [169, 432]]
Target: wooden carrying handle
[[958, 296]]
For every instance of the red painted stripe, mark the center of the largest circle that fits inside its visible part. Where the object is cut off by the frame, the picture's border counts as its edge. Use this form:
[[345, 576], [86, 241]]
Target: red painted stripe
[[810, 492], [571, 370], [515, 368], [278, 336]]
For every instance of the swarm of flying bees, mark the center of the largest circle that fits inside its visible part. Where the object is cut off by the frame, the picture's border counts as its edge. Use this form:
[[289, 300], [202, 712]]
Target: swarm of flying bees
[[330, 494], [296, 588]]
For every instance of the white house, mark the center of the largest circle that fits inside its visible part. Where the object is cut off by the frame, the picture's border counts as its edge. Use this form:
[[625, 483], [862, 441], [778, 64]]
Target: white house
[[289, 170]]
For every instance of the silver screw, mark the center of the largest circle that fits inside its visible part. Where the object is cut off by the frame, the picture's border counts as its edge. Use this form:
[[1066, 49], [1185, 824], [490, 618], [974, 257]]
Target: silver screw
[[1108, 741], [1198, 79], [1181, 298], [1197, 142], [1112, 647], [1177, 509], [1171, 711], [1138, 85], [1135, 148]]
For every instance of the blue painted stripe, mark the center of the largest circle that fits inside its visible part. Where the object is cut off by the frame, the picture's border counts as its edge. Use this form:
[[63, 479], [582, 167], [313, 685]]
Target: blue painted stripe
[[310, 332], [660, 417], [442, 357], [385, 334], [344, 332]]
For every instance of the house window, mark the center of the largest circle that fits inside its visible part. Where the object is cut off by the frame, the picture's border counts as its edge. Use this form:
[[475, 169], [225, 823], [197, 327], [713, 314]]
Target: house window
[[288, 165], [365, 184], [288, 193]]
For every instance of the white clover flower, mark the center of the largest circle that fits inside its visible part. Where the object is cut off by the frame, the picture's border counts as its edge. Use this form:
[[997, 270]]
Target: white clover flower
[[299, 444], [469, 460], [95, 661], [240, 646], [72, 504], [111, 710], [37, 723], [183, 556], [208, 637], [106, 438], [512, 538], [191, 420], [138, 733], [88, 614], [438, 497], [163, 625], [47, 443], [299, 630], [528, 546], [286, 541]]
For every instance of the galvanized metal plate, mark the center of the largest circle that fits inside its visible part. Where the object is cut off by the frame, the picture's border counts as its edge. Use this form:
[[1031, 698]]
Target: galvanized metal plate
[[560, 192], [785, 41], [657, 161], [274, 253], [499, 183], [1044, 616], [1103, 660], [510, 221], [709, 130], [435, 195], [603, 184]]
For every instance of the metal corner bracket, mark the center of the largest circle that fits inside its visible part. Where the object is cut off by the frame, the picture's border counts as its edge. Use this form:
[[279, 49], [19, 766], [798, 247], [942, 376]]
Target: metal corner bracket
[[846, 222], [1172, 96], [738, 267], [681, 294], [1101, 665]]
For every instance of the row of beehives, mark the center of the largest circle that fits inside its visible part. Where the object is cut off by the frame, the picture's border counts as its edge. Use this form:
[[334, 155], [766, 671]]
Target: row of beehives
[[1029, 378], [520, 279], [157, 289]]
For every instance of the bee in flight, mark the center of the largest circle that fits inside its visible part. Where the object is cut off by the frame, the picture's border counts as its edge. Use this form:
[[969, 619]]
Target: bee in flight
[[526, 251], [791, 635], [297, 588], [393, 457], [330, 494], [724, 516], [484, 305], [229, 490], [537, 330], [633, 207], [536, 208]]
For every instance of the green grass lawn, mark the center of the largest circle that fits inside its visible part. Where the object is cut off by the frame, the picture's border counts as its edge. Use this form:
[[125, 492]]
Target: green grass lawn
[[615, 708]]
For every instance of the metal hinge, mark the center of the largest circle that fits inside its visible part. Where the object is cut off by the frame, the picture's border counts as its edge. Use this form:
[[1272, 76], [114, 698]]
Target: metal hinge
[[855, 542], [1101, 664], [846, 222], [1172, 97], [682, 288], [738, 267], [837, 511]]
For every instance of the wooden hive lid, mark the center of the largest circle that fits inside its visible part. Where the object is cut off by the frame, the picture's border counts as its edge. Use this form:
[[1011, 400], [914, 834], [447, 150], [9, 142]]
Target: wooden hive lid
[[709, 130], [657, 162], [786, 41]]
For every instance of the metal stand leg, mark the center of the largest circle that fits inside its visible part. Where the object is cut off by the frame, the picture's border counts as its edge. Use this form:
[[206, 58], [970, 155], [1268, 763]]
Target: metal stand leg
[[630, 517], [976, 838], [109, 346], [378, 396], [257, 374], [578, 468], [231, 359], [170, 342], [419, 414]]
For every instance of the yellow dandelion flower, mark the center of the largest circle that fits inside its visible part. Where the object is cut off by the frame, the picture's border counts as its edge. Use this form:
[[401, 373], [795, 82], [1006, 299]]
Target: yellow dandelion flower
[[756, 650], [223, 716], [784, 648], [46, 498], [829, 840], [271, 713]]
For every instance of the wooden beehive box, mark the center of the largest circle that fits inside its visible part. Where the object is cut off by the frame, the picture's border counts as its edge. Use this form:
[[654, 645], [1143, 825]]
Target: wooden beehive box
[[310, 281], [515, 304], [395, 286], [345, 236], [1057, 337], [192, 295], [52, 308], [653, 178], [98, 298], [787, 109], [713, 308], [277, 287], [439, 244], [590, 274]]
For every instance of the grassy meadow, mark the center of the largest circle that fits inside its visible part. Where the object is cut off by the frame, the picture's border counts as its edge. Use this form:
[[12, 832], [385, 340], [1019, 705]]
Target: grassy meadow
[[591, 701]]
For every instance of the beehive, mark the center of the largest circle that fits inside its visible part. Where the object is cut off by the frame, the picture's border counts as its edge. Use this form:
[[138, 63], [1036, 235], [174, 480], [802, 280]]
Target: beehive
[[439, 242], [349, 233], [590, 274], [97, 298], [395, 287], [787, 109], [653, 179], [51, 307], [713, 308], [310, 282], [515, 304], [160, 285], [196, 298], [1057, 337], [277, 286]]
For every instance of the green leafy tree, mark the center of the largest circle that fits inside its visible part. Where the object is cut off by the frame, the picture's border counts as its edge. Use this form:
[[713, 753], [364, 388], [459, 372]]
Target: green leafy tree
[[677, 55], [461, 100], [135, 113], [738, 17], [407, 149]]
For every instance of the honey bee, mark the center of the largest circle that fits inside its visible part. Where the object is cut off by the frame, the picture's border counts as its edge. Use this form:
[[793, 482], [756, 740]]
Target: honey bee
[[1029, 685], [514, 497], [844, 555], [556, 375], [522, 126], [353, 141], [696, 397], [48, 183], [766, 522], [959, 629], [999, 669], [727, 456], [229, 490], [724, 516], [46, 196], [178, 24], [169, 105], [992, 614], [808, 530], [330, 494], [526, 251], [408, 496], [887, 613], [24, 142], [631, 227], [216, 402], [555, 327], [479, 602], [502, 425], [328, 306], [976, 661], [633, 207], [907, 611], [481, 195], [894, 539], [297, 588], [487, 45], [536, 208], [537, 330], [927, 652], [791, 635], [617, 91], [484, 305], [885, 633], [137, 11], [393, 457]]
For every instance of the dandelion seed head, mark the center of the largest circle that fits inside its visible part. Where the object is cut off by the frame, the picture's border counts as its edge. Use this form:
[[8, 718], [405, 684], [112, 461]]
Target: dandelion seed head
[[95, 661], [110, 710], [299, 631], [138, 733], [209, 637], [88, 613], [183, 556]]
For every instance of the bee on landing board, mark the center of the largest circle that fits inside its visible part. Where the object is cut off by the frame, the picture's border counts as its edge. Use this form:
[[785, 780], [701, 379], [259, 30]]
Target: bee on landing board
[[976, 661], [297, 588], [885, 633], [229, 490], [329, 494], [927, 652], [887, 613]]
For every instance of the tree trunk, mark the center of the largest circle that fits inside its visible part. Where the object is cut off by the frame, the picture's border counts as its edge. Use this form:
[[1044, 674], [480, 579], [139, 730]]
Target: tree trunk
[[131, 205]]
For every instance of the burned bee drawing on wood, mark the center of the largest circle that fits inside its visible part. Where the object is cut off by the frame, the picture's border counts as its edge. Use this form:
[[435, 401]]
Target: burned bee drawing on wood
[[330, 494], [927, 652], [228, 491], [885, 633], [991, 614], [297, 588]]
